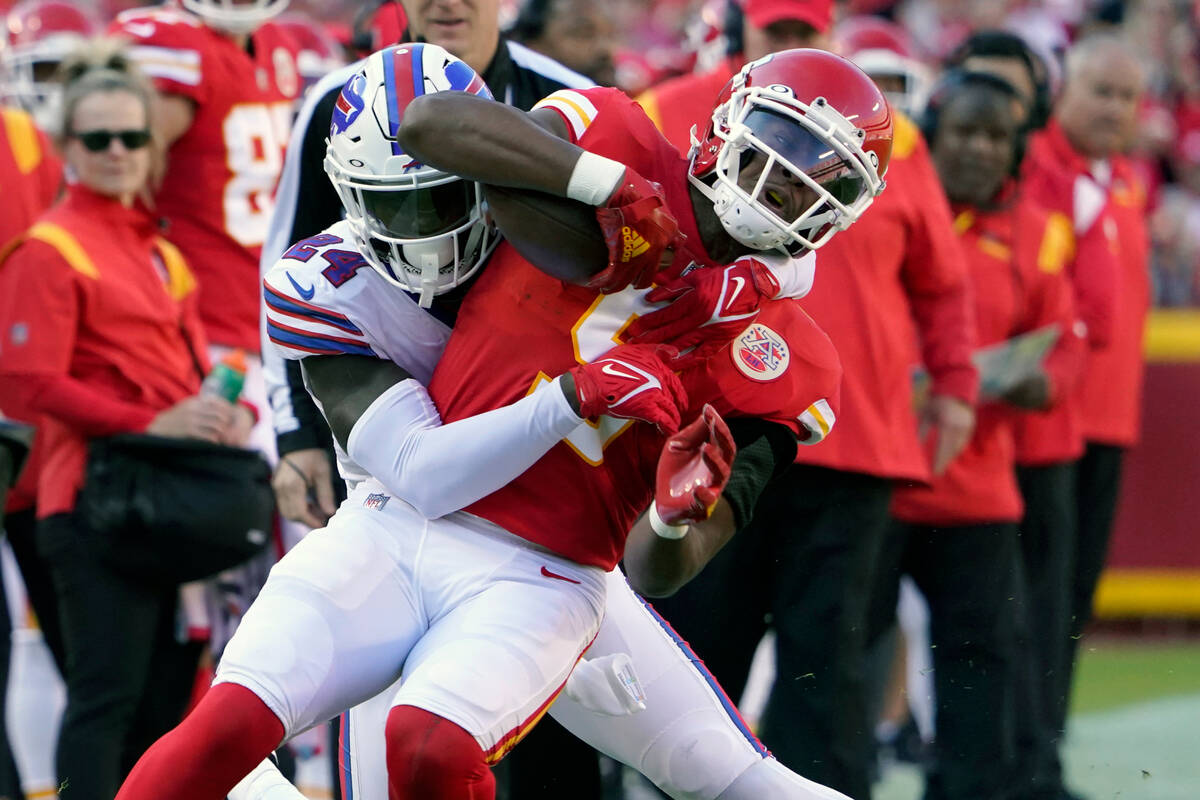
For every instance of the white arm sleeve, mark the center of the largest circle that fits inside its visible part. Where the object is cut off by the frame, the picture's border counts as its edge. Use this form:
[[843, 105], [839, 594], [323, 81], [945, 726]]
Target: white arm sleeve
[[401, 441]]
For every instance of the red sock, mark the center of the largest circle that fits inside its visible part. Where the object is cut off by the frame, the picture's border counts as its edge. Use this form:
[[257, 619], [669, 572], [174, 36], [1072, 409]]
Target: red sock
[[431, 758], [228, 733]]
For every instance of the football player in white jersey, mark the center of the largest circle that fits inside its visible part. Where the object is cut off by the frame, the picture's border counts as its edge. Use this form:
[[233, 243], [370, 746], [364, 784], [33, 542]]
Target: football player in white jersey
[[343, 292], [677, 727]]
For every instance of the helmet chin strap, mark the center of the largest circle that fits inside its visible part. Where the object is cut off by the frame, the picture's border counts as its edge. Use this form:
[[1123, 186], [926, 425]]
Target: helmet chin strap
[[429, 258]]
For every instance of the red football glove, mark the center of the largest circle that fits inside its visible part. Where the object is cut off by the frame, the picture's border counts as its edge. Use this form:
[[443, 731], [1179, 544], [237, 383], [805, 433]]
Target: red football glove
[[633, 381], [693, 470], [638, 228], [708, 308]]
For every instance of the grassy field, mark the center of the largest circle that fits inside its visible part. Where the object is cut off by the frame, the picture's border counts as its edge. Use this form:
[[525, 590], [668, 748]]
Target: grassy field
[[1134, 727]]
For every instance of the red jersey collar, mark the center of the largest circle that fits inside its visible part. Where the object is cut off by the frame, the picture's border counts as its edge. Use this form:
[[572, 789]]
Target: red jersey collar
[[109, 211]]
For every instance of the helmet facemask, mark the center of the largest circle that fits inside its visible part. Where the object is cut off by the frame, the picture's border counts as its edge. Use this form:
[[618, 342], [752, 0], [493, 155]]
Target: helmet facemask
[[789, 174], [424, 231]]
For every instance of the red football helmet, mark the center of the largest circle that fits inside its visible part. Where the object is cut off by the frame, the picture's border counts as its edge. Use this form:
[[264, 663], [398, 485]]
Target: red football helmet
[[39, 35], [885, 51], [796, 118]]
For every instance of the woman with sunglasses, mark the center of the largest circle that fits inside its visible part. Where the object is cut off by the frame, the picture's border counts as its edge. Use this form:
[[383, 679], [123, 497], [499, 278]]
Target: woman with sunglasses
[[99, 335]]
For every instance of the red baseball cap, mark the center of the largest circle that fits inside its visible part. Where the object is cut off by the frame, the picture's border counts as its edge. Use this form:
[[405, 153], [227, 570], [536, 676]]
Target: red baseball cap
[[761, 13]]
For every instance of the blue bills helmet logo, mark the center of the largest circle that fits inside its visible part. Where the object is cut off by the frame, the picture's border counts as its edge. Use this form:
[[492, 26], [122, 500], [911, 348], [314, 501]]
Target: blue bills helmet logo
[[349, 104]]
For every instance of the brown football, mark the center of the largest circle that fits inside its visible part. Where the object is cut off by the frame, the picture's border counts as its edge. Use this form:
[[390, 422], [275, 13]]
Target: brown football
[[561, 237]]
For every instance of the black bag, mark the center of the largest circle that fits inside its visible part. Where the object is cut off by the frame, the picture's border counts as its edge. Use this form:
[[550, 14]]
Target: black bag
[[174, 510]]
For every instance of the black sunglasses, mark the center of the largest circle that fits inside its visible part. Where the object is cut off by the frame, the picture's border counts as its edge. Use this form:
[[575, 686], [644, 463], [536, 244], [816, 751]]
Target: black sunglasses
[[98, 141]]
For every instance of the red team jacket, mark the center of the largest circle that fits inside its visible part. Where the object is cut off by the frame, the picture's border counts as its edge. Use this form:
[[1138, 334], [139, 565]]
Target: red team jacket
[[1016, 258], [1057, 178], [31, 175], [894, 279], [518, 327], [218, 193], [1111, 394], [93, 295]]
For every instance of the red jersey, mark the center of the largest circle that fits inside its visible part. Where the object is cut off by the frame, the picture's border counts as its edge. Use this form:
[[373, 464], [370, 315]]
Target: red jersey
[[1016, 258], [895, 278], [518, 327], [31, 175], [92, 294], [218, 193], [1111, 395], [1057, 178]]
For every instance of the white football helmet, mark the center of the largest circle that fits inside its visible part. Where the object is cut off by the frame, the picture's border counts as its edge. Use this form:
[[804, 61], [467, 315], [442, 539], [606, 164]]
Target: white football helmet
[[234, 16], [422, 229]]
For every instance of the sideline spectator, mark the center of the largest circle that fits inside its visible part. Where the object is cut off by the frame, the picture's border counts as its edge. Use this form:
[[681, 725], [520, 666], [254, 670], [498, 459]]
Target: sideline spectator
[[957, 537], [1097, 115], [576, 33], [99, 316]]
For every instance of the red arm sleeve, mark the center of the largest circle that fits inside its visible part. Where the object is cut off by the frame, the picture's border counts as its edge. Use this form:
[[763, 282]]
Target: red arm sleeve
[[935, 277], [71, 401], [40, 301]]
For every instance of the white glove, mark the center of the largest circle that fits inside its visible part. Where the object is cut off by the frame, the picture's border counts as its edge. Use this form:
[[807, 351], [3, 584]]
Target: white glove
[[266, 782], [607, 685]]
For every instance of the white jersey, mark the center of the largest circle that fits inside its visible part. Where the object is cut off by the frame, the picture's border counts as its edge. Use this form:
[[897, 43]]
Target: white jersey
[[323, 298]]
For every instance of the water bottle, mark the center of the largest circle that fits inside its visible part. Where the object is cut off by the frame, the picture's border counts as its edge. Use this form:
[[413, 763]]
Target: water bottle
[[227, 377]]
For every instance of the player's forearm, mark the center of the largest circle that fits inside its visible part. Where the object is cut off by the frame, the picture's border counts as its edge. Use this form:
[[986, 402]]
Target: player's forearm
[[658, 567], [486, 141], [440, 468]]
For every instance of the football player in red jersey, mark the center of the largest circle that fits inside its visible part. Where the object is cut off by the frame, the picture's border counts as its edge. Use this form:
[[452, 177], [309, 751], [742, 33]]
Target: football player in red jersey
[[458, 706], [227, 79]]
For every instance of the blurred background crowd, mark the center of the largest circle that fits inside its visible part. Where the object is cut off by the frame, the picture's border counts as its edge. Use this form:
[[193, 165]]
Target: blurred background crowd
[[158, 382]]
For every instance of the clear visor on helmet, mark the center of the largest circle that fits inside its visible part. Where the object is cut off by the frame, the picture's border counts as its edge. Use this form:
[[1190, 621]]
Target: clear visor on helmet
[[796, 151], [418, 213]]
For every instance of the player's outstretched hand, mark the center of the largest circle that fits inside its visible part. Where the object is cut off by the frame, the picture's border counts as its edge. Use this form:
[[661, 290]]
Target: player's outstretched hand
[[638, 230], [708, 308], [632, 381], [693, 470]]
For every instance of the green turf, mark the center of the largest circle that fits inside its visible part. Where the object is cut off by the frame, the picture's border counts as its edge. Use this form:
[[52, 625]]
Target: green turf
[[1116, 672]]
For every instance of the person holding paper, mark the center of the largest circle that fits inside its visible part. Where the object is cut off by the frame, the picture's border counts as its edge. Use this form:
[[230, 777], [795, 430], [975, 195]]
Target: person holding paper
[[957, 536]]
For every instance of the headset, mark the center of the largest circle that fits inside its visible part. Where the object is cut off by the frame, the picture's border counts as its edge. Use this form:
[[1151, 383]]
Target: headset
[[958, 80]]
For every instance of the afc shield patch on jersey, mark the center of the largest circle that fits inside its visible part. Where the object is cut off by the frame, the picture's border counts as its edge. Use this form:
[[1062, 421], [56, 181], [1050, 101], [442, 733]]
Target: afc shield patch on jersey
[[760, 353], [349, 104]]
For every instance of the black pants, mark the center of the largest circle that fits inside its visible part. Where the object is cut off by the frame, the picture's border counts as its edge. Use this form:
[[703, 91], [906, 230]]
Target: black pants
[[1097, 483], [1047, 536], [968, 575], [803, 565], [128, 680], [21, 528]]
